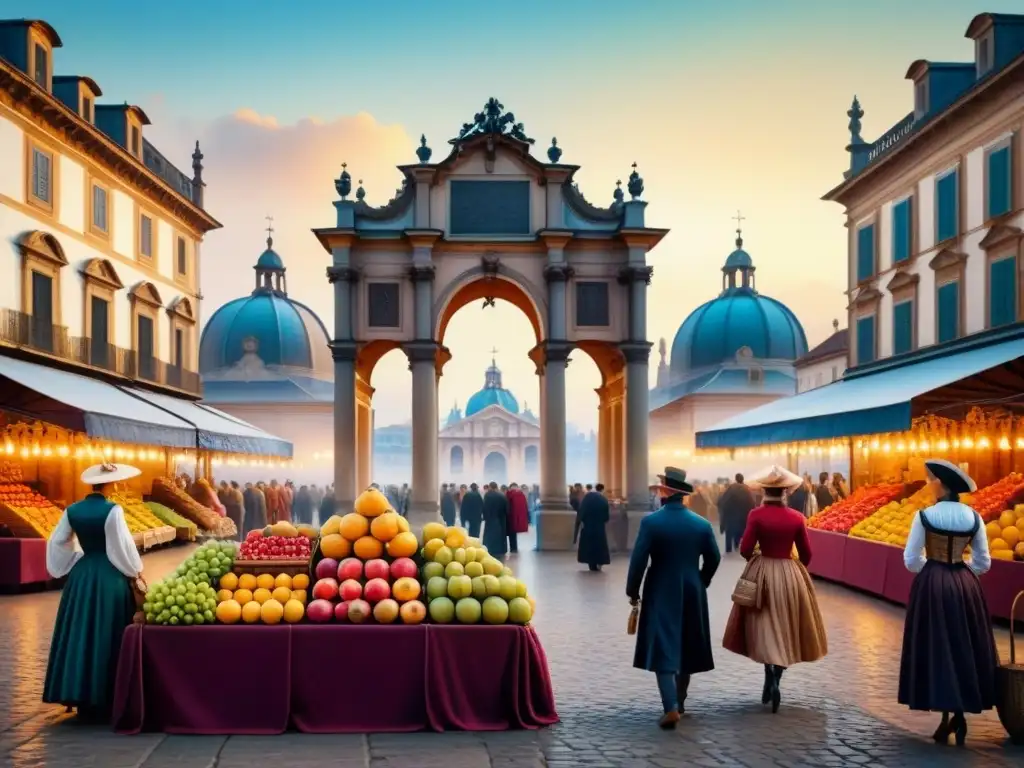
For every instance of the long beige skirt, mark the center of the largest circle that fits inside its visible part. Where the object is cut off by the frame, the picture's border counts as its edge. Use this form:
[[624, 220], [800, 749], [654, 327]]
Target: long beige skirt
[[787, 629]]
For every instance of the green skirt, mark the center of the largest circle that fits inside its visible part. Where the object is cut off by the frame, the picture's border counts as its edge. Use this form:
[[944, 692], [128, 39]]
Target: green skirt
[[96, 606]]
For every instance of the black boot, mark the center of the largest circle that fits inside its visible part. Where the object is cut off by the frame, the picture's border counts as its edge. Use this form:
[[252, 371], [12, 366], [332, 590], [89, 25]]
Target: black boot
[[682, 688], [776, 693], [958, 725], [766, 692], [941, 735]]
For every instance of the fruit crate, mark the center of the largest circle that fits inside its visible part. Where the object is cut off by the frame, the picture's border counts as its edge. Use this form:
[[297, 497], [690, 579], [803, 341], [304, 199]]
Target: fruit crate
[[291, 567]]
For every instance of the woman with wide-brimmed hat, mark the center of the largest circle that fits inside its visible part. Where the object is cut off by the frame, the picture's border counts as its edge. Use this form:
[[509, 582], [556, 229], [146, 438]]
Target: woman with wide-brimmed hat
[[673, 634], [949, 653], [93, 547], [775, 619]]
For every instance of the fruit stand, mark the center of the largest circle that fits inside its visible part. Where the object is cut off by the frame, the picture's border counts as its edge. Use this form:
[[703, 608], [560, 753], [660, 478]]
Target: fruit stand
[[421, 632]]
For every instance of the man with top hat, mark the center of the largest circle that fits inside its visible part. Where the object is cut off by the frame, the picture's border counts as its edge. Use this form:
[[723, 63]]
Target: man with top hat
[[675, 557]]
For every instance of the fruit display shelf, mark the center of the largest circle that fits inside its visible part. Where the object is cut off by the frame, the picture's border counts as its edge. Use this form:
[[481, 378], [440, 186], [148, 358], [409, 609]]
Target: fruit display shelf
[[845, 513], [28, 514]]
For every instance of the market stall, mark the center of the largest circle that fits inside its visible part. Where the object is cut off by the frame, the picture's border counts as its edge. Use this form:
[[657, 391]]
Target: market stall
[[54, 424], [963, 405], [359, 626]]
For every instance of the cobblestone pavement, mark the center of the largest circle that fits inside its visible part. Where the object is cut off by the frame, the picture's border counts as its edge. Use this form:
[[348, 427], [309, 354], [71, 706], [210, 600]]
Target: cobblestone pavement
[[840, 711]]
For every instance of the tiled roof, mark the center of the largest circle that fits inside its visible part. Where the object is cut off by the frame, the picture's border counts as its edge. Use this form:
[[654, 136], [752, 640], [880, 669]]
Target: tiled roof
[[835, 345]]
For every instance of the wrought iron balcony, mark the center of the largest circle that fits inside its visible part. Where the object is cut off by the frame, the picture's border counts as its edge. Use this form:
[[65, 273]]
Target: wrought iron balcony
[[27, 332]]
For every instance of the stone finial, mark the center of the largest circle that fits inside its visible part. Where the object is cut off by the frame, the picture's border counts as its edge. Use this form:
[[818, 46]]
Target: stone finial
[[835, 326], [618, 195], [360, 192], [197, 176], [554, 153], [662, 348], [424, 152], [636, 184], [343, 184], [855, 113], [859, 149]]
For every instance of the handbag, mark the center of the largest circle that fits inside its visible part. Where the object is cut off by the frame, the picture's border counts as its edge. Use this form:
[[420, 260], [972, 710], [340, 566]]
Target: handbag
[[139, 591], [634, 619], [747, 592]]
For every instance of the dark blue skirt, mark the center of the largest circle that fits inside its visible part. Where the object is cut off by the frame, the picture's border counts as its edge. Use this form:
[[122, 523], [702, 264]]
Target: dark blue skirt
[[949, 653]]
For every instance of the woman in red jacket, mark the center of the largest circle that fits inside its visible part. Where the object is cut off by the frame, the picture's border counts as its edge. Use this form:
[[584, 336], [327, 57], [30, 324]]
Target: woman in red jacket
[[786, 627]]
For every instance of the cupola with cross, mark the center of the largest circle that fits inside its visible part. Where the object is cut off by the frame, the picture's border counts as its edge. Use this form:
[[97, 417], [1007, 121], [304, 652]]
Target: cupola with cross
[[270, 270], [738, 264]]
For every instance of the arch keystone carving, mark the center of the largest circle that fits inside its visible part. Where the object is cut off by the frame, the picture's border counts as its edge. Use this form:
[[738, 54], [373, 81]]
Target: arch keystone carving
[[42, 246], [147, 293], [102, 271]]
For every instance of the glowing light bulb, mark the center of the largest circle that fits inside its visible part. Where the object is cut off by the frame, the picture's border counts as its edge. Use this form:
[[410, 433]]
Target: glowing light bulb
[[942, 445], [1020, 442], [63, 451], [924, 445], [901, 446], [968, 443], [25, 453], [1004, 443], [983, 442], [874, 444], [9, 448], [47, 452], [956, 442], [108, 451], [79, 452], [886, 448], [35, 450]]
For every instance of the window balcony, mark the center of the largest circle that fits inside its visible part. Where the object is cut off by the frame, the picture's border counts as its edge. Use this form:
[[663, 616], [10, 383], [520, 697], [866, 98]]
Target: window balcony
[[24, 331]]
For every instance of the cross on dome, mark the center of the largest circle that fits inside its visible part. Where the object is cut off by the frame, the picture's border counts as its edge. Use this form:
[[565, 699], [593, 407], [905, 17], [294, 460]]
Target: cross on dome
[[270, 230], [739, 218]]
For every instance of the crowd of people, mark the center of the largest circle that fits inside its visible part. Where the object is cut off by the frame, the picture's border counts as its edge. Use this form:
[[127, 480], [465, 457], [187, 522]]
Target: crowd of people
[[259, 504]]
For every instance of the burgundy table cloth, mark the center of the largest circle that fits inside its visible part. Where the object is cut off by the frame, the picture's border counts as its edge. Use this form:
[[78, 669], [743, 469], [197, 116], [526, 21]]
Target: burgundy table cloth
[[827, 554], [335, 678], [864, 565], [22, 561]]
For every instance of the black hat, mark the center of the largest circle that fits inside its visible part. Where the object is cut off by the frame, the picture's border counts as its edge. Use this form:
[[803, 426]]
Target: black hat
[[673, 481], [951, 476]]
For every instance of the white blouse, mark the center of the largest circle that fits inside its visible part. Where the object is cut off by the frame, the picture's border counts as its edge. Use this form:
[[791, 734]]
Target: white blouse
[[949, 516], [63, 549]]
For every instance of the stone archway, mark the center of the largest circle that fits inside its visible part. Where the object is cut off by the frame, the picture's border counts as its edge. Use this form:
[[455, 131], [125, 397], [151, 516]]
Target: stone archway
[[531, 460], [491, 220], [495, 468], [456, 460]]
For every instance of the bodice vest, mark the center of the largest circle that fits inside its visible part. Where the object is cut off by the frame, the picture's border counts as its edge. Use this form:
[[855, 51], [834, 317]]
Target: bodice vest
[[947, 546]]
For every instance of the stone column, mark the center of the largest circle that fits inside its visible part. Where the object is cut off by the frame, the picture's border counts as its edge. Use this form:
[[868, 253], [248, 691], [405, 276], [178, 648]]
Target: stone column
[[555, 520], [637, 474], [604, 423], [344, 350]]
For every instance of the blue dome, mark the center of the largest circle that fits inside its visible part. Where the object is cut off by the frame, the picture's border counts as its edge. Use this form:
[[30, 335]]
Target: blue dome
[[716, 331], [492, 394], [277, 329], [269, 259], [739, 259]]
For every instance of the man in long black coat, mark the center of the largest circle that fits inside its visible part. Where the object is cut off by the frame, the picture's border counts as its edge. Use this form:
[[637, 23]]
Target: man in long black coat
[[448, 503], [734, 507], [495, 521], [472, 510], [591, 522]]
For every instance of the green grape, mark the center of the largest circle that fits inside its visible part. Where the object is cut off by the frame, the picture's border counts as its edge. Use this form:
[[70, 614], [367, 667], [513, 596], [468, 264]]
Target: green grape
[[197, 619], [208, 615], [173, 621]]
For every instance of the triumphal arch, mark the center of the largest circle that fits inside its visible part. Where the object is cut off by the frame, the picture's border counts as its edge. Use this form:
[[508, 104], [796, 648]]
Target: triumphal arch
[[489, 221]]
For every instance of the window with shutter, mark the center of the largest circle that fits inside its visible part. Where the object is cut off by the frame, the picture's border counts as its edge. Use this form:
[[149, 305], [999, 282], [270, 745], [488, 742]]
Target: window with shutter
[[182, 257], [902, 327], [146, 347], [382, 300], [591, 304], [1002, 287], [99, 208], [99, 332], [179, 348], [901, 230], [42, 311], [998, 192], [42, 66], [42, 177], [135, 141], [948, 312], [947, 207], [865, 253], [87, 109], [865, 339], [145, 236]]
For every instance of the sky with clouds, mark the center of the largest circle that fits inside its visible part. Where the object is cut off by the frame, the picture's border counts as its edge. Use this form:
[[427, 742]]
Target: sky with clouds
[[737, 104]]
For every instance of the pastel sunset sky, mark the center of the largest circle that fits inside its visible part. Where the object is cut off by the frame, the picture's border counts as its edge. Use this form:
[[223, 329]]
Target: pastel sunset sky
[[725, 105]]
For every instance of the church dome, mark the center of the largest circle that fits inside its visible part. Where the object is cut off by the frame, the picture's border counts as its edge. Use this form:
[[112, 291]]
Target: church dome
[[739, 323], [278, 330], [492, 394]]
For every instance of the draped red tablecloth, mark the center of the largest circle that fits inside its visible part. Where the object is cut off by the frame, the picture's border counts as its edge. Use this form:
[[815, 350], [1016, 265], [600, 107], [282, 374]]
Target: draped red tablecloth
[[333, 678], [878, 569], [22, 561]]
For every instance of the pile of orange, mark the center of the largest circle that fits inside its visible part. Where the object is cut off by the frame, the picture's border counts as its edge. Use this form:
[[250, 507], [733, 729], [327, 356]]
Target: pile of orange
[[372, 529], [1006, 535], [265, 598]]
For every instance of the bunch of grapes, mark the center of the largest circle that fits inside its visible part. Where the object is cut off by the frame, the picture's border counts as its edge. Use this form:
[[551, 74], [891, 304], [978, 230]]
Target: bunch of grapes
[[209, 562], [180, 600]]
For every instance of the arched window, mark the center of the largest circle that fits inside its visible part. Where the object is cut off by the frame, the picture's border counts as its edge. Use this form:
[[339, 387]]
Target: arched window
[[101, 282], [146, 304], [42, 259], [456, 460], [530, 460]]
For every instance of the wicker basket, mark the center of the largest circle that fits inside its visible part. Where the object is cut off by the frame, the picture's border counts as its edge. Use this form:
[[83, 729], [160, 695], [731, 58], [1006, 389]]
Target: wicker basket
[[1010, 687], [256, 567]]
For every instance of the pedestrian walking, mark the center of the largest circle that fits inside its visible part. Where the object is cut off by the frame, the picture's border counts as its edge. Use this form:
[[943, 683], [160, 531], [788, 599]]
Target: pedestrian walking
[[447, 504], [302, 507], [949, 652], [775, 619], [471, 512], [93, 547], [495, 521], [823, 493], [518, 516], [327, 504], [591, 530], [677, 550], [734, 506], [797, 496], [235, 506], [255, 504]]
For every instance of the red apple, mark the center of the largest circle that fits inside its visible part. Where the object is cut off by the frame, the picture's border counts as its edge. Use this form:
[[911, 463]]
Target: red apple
[[377, 590], [320, 611], [325, 589], [413, 612], [341, 612], [358, 611], [350, 568], [386, 611], [350, 590], [404, 567], [378, 569], [326, 568]]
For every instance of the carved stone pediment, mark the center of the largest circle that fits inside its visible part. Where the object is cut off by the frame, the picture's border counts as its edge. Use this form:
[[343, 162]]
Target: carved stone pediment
[[1001, 235], [946, 259], [902, 280], [147, 293], [182, 308], [867, 296], [103, 272], [43, 246]]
